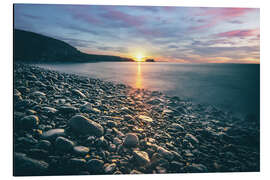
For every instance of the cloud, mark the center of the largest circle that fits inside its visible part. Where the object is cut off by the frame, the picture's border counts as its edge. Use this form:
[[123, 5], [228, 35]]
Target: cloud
[[114, 49], [126, 20], [169, 8], [83, 13], [32, 16], [218, 15], [147, 8], [236, 22], [77, 28], [172, 46], [231, 52], [239, 33]]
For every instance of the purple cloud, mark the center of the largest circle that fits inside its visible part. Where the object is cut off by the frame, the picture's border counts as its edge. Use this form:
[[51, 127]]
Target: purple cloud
[[83, 13], [126, 19], [239, 33], [218, 15]]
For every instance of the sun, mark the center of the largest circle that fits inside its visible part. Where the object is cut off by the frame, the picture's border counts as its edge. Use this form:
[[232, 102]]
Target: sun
[[139, 57]]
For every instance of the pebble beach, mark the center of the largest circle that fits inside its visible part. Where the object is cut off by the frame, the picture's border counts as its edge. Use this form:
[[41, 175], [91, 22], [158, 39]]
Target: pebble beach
[[66, 124]]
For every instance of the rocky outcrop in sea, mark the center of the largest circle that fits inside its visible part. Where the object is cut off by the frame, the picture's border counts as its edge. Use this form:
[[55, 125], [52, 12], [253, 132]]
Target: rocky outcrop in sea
[[67, 124]]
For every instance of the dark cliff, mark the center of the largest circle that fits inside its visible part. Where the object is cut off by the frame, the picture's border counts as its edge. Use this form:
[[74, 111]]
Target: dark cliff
[[33, 47]]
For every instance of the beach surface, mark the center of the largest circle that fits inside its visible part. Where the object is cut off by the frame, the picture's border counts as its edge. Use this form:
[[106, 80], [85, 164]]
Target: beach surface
[[65, 124]]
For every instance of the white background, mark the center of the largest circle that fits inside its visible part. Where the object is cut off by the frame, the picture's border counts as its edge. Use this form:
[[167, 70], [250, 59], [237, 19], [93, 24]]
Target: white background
[[6, 78]]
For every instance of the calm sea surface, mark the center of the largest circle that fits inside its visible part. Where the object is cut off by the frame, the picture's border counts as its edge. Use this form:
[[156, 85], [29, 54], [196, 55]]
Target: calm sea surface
[[232, 87]]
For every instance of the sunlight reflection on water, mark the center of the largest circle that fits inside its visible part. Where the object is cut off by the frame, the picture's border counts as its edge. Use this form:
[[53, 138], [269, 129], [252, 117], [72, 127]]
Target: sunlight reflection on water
[[138, 83]]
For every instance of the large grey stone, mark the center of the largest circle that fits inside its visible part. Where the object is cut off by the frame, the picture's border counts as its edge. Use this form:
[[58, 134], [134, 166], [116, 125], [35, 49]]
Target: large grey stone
[[83, 125], [64, 144], [30, 121], [131, 140]]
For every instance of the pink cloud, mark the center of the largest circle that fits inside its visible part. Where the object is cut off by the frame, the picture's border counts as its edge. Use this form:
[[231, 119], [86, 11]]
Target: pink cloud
[[224, 12], [169, 8], [239, 33], [124, 17], [86, 17], [217, 15], [83, 13]]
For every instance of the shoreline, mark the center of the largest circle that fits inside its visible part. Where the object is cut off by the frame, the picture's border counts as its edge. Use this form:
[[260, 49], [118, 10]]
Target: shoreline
[[68, 124], [223, 101]]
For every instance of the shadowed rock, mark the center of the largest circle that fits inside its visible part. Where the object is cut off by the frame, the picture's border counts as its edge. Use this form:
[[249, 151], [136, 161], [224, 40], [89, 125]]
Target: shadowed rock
[[63, 144], [131, 140], [83, 125], [141, 157], [29, 122], [25, 166]]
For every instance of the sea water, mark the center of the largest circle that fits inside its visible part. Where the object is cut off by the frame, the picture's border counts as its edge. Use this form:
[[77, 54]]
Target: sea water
[[231, 87]]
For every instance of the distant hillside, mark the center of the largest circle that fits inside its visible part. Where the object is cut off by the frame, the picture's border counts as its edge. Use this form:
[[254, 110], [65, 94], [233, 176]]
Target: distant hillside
[[33, 47]]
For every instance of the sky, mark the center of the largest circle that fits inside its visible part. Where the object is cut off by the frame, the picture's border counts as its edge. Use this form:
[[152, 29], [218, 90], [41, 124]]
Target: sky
[[165, 33]]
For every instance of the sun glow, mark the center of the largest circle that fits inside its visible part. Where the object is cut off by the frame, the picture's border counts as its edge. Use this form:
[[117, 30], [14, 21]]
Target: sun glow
[[139, 57]]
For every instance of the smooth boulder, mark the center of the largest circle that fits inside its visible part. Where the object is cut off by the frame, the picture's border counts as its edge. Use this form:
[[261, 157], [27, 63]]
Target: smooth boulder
[[64, 144], [83, 125], [30, 121], [131, 140]]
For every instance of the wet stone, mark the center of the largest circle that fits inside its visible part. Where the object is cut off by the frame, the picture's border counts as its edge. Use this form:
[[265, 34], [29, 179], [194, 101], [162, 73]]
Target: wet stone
[[111, 124], [81, 150], [86, 108], [118, 133], [145, 118], [83, 125], [37, 153], [141, 157], [49, 110], [177, 127], [117, 141], [95, 166], [77, 163], [26, 166], [135, 172], [53, 134], [78, 93], [131, 140], [44, 144], [38, 94], [27, 140], [165, 153], [196, 168], [63, 144], [102, 143], [30, 121], [110, 168], [17, 93], [31, 112], [192, 138], [161, 170], [68, 110], [176, 166], [154, 101]]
